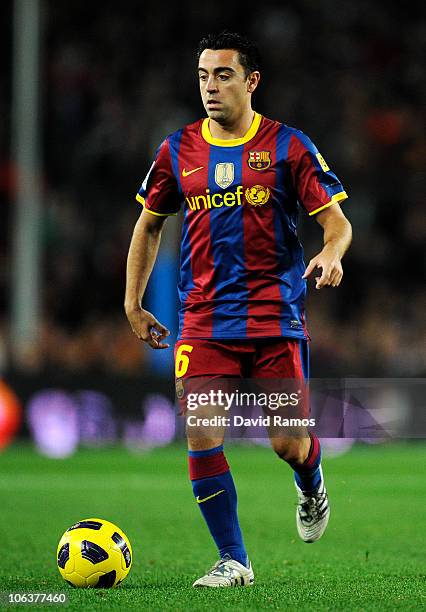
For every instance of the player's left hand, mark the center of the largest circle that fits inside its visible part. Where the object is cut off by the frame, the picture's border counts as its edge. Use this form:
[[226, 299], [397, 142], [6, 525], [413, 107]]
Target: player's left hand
[[329, 261]]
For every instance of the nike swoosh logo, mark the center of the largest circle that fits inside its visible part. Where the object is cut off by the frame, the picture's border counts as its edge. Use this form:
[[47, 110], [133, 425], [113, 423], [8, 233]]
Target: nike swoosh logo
[[201, 501], [187, 173]]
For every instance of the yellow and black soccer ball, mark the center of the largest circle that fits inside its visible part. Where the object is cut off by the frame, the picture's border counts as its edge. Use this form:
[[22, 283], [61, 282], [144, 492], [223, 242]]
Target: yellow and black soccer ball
[[94, 553]]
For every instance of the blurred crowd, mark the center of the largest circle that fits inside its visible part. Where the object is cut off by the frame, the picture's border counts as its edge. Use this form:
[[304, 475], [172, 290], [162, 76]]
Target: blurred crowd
[[118, 77]]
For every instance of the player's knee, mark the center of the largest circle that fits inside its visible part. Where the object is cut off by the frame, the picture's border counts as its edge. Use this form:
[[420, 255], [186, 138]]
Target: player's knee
[[292, 451], [200, 442]]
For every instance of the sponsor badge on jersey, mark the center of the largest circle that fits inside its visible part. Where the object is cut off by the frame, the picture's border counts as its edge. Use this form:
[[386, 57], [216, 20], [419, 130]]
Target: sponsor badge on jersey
[[259, 160], [224, 174], [257, 195]]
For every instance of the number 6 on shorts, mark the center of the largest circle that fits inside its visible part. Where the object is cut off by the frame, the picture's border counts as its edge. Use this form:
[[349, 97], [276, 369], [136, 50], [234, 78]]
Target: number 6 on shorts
[[182, 360]]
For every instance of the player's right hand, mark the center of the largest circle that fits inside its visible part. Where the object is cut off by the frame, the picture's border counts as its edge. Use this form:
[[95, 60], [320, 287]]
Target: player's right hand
[[146, 327]]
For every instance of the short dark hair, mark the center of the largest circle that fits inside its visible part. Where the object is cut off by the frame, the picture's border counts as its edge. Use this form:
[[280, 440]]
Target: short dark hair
[[248, 52]]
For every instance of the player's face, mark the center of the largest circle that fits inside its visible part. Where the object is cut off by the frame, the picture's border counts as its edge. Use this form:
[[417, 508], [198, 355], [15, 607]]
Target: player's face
[[225, 89]]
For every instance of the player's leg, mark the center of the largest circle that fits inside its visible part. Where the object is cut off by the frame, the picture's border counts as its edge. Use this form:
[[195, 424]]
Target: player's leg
[[313, 510], [210, 475], [289, 359], [216, 496], [303, 454]]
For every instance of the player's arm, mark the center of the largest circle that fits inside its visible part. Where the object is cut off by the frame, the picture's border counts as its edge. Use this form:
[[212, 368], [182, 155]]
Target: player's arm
[[140, 261], [337, 238]]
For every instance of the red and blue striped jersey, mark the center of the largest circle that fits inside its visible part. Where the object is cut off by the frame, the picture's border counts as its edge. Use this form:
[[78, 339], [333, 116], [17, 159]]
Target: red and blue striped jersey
[[241, 261]]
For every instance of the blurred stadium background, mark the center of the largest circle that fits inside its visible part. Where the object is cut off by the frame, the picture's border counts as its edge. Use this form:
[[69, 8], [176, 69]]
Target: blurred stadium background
[[87, 92]]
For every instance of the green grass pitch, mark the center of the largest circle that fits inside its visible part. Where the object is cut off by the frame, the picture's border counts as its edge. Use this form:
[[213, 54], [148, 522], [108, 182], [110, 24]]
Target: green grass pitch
[[371, 558]]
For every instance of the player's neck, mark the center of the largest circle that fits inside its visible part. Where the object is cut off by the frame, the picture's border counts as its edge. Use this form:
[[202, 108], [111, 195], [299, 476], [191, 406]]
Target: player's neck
[[237, 129]]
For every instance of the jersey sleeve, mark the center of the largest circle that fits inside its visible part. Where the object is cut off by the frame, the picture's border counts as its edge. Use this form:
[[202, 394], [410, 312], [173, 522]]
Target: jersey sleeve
[[316, 185], [159, 193]]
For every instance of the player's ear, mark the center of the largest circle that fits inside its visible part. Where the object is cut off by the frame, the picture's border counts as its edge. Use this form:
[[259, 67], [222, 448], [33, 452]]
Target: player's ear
[[253, 81]]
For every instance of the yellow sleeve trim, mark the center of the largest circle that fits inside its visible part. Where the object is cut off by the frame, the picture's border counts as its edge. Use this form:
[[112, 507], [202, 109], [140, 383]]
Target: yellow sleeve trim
[[233, 142], [142, 201], [338, 197]]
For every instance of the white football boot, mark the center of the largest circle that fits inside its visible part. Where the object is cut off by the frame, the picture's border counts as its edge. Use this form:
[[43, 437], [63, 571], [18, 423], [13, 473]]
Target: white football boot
[[313, 512], [227, 573]]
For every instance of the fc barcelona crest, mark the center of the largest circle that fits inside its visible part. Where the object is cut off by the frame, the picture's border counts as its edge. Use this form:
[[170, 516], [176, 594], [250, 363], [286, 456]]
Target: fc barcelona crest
[[259, 160], [224, 174]]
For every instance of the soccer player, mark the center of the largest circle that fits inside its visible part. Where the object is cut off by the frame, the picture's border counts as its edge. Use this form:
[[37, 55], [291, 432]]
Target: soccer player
[[240, 179]]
